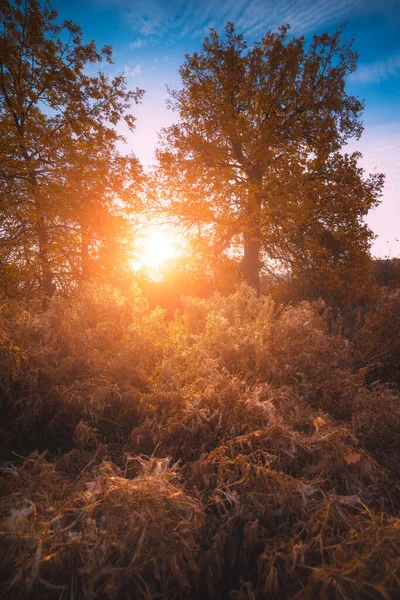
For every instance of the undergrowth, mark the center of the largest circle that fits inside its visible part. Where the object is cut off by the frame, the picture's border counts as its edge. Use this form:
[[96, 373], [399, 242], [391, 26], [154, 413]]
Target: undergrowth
[[238, 451]]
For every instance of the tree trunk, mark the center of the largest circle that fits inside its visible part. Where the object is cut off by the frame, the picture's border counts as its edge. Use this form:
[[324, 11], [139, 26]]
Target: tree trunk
[[251, 260], [47, 282], [252, 237], [85, 255]]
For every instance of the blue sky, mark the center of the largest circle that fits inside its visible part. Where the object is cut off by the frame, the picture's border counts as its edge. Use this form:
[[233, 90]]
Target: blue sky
[[151, 37]]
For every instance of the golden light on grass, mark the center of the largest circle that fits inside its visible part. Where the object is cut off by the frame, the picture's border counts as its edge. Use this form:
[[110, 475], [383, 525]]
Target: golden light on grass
[[156, 246]]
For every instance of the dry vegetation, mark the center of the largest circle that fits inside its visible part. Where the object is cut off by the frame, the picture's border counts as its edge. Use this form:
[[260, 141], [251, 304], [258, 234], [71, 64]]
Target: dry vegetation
[[239, 451]]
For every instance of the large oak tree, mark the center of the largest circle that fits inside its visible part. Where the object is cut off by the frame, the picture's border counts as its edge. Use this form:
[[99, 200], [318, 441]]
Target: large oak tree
[[255, 159], [63, 182]]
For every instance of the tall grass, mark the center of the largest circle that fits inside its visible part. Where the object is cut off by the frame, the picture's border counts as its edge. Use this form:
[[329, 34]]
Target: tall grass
[[238, 451]]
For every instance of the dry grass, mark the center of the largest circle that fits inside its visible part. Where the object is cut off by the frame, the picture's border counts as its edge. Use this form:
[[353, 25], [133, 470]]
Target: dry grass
[[107, 533], [232, 453]]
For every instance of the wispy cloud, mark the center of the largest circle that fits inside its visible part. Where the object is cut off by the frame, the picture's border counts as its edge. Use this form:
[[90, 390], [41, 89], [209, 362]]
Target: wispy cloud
[[148, 26], [133, 70], [378, 71], [306, 15], [254, 17], [191, 18], [139, 43]]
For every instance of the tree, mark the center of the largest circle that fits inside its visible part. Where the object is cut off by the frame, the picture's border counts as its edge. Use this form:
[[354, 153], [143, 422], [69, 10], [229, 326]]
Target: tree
[[101, 190], [60, 168], [254, 159]]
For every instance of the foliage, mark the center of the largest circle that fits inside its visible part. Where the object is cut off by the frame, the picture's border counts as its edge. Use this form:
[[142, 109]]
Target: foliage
[[234, 451], [254, 160], [378, 342], [62, 180]]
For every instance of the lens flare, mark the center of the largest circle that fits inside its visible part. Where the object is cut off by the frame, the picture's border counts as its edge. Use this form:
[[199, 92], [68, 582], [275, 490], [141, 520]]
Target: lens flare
[[157, 245]]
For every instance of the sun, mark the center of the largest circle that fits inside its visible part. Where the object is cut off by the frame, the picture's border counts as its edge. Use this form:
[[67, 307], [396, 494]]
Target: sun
[[157, 244]]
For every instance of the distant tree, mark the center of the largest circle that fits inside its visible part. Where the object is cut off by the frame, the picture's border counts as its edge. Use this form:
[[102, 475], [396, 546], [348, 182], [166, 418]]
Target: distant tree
[[61, 176], [254, 160], [386, 272]]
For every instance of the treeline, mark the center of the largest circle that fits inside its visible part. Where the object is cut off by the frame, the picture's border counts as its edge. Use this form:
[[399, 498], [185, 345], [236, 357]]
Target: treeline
[[254, 169]]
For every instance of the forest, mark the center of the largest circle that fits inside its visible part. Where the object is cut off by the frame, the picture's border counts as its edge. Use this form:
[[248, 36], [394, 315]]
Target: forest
[[225, 428]]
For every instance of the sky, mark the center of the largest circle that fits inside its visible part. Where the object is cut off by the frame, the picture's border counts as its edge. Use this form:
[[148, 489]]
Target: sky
[[151, 37]]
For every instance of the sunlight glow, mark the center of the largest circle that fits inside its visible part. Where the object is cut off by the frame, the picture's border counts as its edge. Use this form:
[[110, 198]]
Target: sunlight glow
[[157, 245]]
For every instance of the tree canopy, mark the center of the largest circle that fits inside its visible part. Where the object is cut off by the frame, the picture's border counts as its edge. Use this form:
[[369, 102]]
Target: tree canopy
[[255, 159], [63, 182], [255, 166]]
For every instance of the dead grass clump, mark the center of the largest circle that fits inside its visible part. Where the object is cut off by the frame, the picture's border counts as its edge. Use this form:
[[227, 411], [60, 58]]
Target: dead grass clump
[[260, 418], [247, 501], [330, 455], [340, 550], [33, 477], [78, 460], [108, 534], [286, 539], [248, 481], [376, 423], [335, 455], [199, 423], [348, 552], [376, 418]]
